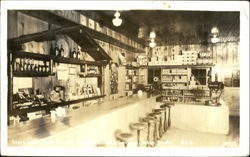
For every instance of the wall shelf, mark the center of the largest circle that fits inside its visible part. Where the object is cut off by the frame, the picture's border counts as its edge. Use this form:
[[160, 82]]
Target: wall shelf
[[22, 54], [52, 105], [31, 74], [177, 66], [90, 75], [185, 96], [77, 33], [174, 74]]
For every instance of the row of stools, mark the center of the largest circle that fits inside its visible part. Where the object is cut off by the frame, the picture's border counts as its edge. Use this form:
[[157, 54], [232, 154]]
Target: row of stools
[[159, 120]]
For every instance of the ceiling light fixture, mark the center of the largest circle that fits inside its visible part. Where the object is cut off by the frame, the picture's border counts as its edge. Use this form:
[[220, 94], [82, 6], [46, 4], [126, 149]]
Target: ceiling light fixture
[[152, 44], [215, 33], [152, 35], [117, 21], [215, 40]]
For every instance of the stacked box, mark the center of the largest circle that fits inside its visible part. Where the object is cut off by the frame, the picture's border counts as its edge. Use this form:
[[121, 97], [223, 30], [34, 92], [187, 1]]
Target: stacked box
[[182, 71], [173, 71], [180, 79], [165, 71], [189, 57], [166, 78]]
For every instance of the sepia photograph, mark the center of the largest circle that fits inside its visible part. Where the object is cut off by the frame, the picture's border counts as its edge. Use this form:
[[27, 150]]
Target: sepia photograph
[[152, 78]]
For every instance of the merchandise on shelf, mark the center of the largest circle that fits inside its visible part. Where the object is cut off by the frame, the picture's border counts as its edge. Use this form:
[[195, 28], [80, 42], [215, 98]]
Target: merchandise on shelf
[[30, 65], [205, 57], [189, 57], [166, 78]]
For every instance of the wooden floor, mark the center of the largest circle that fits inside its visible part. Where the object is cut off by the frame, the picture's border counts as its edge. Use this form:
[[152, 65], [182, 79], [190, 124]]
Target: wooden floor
[[183, 138]]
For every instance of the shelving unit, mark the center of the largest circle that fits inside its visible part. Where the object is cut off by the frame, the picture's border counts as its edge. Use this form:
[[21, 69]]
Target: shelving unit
[[143, 75], [132, 79], [76, 33], [180, 83]]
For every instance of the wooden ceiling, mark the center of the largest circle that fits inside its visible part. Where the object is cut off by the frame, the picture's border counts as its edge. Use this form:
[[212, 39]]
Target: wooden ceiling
[[172, 27]]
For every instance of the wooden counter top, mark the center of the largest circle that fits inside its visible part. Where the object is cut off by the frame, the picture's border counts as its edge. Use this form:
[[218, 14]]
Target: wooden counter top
[[44, 127]]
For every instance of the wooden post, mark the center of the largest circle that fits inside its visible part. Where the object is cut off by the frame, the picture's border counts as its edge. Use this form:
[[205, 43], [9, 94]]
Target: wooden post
[[10, 84]]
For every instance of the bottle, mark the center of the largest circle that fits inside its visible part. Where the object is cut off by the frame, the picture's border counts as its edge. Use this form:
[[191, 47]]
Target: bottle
[[15, 65], [32, 65], [35, 68], [43, 66], [21, 64], [57, 50], [28, 65], [47, 66], [61, 51], [78, 53], [51, 51], [74, 53], [40, 65]]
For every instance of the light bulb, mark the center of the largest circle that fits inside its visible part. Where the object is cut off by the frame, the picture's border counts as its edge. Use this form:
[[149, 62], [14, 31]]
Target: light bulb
[[214, 30], [152, 44], [117, 21], [215, 40], [152, 35]]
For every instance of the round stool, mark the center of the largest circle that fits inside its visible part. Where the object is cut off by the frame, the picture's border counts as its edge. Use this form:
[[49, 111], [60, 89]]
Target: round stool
[[149, 120], [157, 116], [161, 110], [138, 127], [125, 138], [167, 106]]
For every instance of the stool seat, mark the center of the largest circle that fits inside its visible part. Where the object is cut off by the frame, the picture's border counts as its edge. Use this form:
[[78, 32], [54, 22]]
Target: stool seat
[[149, 119], [138, 126], [125, 137], [166, 105], [159, 110], [155, 114]]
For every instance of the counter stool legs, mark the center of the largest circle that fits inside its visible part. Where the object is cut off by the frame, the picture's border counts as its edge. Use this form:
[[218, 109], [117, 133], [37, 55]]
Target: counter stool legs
[[155, 134], [148, 136], [160, 117], [149, 120], [125, 144], [169, 117], [165, 121], [138, 127], [138, 138], [160, 128], [168, 121]]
